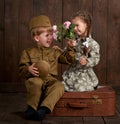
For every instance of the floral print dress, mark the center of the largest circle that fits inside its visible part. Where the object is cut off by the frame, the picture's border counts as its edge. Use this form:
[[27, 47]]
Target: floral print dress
[[82, 77]]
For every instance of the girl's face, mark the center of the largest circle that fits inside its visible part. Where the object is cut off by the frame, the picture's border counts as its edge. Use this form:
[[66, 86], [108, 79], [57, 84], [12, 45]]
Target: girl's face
[[80, 26], [44, 39]]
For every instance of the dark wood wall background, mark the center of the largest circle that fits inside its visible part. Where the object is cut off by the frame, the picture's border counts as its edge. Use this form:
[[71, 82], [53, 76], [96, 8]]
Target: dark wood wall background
[[15, 35]]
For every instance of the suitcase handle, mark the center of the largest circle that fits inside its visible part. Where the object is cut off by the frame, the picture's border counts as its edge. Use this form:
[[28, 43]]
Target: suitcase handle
[[78, 105]]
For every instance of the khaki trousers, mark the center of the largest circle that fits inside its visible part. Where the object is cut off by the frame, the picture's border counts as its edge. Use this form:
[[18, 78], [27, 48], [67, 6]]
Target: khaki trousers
[[53, 90]]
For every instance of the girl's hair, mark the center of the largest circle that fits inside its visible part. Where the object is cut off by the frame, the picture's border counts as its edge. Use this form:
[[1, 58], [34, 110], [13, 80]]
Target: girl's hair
[[86, 17], [39, 30]]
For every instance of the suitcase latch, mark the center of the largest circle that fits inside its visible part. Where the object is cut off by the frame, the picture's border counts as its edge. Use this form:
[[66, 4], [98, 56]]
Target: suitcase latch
[[96, 100]]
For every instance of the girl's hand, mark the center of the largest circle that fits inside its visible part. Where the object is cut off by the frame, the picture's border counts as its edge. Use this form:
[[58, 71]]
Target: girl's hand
[[71, 42], [33, 70], [83, 60]]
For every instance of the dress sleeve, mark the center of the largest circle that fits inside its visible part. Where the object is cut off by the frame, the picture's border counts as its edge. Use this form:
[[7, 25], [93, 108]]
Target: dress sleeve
[[94, 55]]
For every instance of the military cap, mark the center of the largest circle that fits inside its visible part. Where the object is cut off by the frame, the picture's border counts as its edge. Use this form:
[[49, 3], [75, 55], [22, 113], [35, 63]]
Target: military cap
[[39, 21], [43, 68]]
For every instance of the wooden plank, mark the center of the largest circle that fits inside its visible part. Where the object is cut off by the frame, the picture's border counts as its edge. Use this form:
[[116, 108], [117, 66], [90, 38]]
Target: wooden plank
[[70, 7], [118, 103], [11, 87], [63, 120], [93, 120], [24, 15], [11, 38], [100, 35], [113, 57], [113, 120], [1, 40]]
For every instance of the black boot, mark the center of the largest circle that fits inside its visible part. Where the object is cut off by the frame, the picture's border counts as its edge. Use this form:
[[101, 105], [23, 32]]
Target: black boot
[[41, 112], [29, 113]]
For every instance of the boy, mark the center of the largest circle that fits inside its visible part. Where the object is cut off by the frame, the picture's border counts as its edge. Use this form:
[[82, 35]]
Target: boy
[[38, 65]]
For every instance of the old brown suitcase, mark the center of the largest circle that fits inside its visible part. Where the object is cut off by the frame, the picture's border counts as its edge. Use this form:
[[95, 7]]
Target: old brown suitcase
[[100, 102]]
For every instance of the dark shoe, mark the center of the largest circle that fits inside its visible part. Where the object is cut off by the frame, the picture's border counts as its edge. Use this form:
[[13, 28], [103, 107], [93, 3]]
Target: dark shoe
[[29, 113], [41, 112]]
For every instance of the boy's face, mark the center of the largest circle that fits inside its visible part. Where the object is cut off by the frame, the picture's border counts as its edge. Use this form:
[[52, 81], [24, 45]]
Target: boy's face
[[80, 27], [44, 39]]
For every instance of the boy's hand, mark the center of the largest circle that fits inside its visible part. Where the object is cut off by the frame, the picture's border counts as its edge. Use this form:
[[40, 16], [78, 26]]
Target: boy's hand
[[57, 47], [71, 43], [33, 70], [83, 61]]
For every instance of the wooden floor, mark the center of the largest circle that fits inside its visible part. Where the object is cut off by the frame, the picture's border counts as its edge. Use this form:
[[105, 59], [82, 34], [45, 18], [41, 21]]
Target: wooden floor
[[12, 106]]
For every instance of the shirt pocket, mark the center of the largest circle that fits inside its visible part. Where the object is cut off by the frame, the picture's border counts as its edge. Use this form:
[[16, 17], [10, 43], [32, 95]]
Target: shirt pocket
[[51, 59], [35, 59]]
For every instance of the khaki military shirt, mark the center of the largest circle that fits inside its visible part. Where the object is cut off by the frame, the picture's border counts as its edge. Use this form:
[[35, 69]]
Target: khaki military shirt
[[50, 55]]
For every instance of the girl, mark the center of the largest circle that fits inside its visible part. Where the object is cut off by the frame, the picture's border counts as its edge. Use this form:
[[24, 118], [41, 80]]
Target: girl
[[80, 75]]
